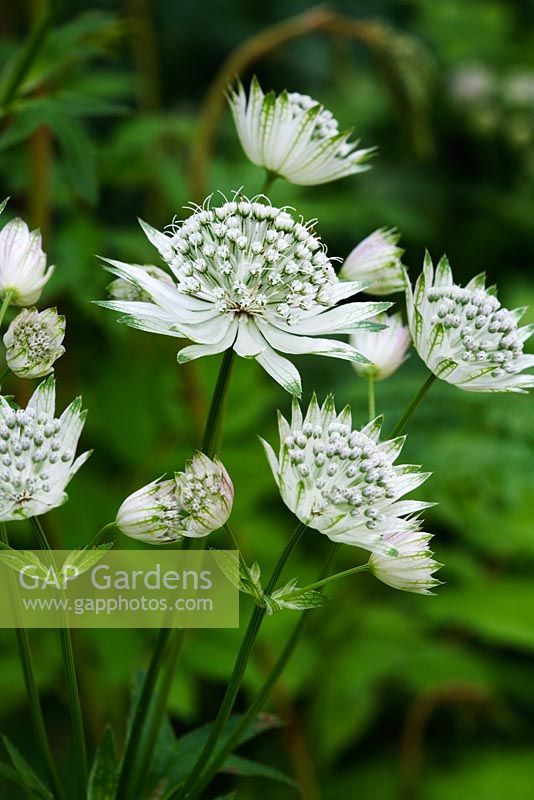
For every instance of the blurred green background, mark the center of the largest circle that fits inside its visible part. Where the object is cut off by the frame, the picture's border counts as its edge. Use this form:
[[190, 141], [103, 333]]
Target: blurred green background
[[391, 696]]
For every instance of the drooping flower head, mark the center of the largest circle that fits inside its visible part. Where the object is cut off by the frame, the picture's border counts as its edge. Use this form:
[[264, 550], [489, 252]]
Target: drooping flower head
[[248, 276], [463, 334], [23, 269], [294, 136], [377, 260], [33, 342], [412, 568], [343, 482], [120, 289], [194, 503], [385, 349], [37, 453]]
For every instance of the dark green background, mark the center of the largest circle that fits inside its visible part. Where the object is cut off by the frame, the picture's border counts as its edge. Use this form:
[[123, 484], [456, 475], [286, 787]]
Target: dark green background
[[391, 695]]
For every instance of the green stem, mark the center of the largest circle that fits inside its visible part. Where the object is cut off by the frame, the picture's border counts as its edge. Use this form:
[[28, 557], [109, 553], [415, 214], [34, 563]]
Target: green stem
[[4, 375], [264, 693], [23, 644], [25, 57], [336, 577], [97, 538], [270, 178], [6, 302], [72, 686], [403, 421], [209, 440], [169, 642], [371, 405], [191, 786]]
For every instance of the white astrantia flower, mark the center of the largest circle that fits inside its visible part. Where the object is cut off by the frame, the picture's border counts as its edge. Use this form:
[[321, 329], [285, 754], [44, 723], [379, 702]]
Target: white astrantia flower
[[33, 342], [412, 568], [376, 260], [343, 482], [121, 289], [193, 503], [463, 334], [294, 136], [250, 277], [385, 349], [23, 269], [37, 453]]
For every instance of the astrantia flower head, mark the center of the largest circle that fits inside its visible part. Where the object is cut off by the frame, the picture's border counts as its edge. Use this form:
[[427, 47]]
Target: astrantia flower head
[[293, 136], [248, 276], [343, 482], [464, 336], [194, 503], [385, 349], [412, 568], [377, 260], [120, 289], [23, 269], [34, 342], [37, 453]]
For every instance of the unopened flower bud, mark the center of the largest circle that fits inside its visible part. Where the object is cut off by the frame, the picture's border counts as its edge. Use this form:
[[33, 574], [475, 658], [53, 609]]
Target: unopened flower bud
[[23, 269], [33, 342], [377, 259], [385, 349]]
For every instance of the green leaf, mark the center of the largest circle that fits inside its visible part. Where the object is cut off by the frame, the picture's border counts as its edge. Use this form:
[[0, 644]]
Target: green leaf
[[104, 772], [28, 776], [79, 156], [237, 765], [20, 559], [82, 560]]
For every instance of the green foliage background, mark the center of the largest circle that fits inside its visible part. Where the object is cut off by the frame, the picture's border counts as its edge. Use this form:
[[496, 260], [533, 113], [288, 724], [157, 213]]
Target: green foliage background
[[390, 695]]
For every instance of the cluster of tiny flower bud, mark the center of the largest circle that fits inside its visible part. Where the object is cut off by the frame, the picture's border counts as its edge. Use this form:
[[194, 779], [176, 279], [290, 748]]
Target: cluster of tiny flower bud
[[350, 472], [34, 342], [482, 330], [249, 257]]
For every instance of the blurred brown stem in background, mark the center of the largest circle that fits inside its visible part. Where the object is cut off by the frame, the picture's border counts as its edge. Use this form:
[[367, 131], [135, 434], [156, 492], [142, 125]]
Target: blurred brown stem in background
[[417, 720], [379, 39]]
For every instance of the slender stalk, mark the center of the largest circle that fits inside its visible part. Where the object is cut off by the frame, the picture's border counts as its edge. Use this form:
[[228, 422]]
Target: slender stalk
[[270, 178], [169, 642], [190, 788], [72, 687], [6, 302], [26, 57], [345, 574], [264, 693], [403, 421], [23, 644], [4, 374], [97, 538], [371, 404]]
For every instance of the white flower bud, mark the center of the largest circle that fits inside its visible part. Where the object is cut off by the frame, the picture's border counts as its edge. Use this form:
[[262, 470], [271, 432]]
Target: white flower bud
[[410, 567], [194, 503], [22, 263], [378, 259], [385, 349], [121, 289], [33, 342]]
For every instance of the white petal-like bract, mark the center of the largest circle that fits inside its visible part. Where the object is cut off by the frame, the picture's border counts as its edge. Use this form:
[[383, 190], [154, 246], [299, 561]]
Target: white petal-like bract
[[385, 349], [34, 342], [344, 482], [250, 277], [463, 334], [194, 503], [293, 136], [412, 568], [23, 269], [37, 453], [376, 260]]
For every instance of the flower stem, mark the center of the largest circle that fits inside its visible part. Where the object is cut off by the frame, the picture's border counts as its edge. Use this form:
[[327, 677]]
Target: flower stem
[[191, 788], [97, 538], [23, 644], [264, 693], [6, 302], [403, 421], [72, 686], [270, 178], [4, 374], [371, 405], [25, 57], [169, 642]]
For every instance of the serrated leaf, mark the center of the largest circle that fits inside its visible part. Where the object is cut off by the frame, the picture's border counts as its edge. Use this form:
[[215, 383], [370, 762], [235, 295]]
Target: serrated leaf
[[104, 772]]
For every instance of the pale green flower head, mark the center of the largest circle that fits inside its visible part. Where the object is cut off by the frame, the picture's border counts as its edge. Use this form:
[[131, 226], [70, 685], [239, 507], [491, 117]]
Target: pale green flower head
[[37, 453], [33, 342], [294, 136], [385, 349], [463, 334], [376, 260], [344, 482], [23, 269], [192, 504], [251, 277], [121, 289], [412, 568]]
